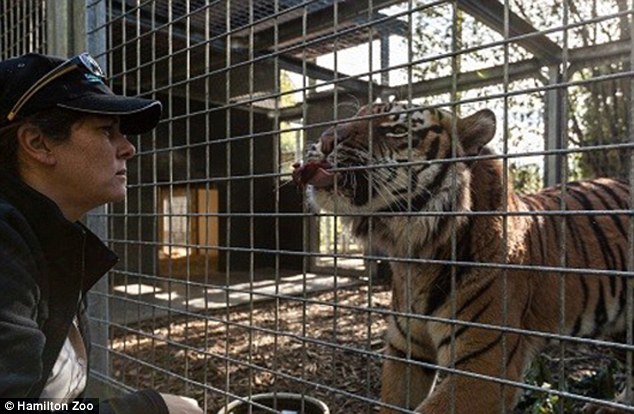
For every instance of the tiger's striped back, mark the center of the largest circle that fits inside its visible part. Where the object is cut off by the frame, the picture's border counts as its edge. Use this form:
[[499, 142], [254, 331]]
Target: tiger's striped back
[[595, 241]]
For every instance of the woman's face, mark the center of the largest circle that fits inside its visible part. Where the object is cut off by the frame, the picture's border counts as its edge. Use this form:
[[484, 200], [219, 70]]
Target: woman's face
[[90, 167]]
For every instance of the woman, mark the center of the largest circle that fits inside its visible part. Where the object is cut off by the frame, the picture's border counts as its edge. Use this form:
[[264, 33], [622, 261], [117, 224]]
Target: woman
[[63, 152]]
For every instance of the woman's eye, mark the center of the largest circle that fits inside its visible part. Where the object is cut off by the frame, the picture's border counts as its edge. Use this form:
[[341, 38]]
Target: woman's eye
[[107, 130]]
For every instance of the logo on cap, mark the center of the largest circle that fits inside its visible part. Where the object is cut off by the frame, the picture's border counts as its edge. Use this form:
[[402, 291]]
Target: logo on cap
[[92, 78]]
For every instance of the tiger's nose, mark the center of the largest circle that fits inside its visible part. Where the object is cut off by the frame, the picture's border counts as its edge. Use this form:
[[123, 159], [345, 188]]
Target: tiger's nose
[[330, 137], [327, 141]]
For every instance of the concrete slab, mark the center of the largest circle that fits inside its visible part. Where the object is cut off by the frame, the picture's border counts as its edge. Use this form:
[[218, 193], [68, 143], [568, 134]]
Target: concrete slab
[[137, 302]]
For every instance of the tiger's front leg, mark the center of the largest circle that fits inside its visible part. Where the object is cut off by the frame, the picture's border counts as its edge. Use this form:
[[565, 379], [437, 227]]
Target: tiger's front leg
[[403, 383], [484, 355]]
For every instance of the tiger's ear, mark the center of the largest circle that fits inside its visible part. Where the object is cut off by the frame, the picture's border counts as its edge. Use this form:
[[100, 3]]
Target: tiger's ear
[[475, 131]]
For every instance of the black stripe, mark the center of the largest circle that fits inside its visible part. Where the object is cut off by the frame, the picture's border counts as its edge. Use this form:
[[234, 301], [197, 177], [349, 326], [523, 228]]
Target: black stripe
[[405, 334], [519, 337], [622, 183], [543, 240], [529, 243], [361, 191], [619, 283], [432, 189], [622, 295], [620, 201], [404, 145], [578, 240], [608, 255], [572, 230], [362, 228], [413, 184], [577, 326], [532, 207], [441, 223], [514, 350], [541, 231], [607, 206], [441, 286], [422, 198], [574, 235], [446, 340], [554, 226], [600, 312], [432, 128], [434, 147], [476, 295], [421, 169], [479, 352], [403, 355], [612, 279]]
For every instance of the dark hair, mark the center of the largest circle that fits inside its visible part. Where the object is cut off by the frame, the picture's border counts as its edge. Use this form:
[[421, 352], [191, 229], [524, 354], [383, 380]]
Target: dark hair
[[56, 123]]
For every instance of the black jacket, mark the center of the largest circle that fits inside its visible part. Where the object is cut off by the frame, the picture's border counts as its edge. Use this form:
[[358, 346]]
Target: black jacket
[[47, 264]]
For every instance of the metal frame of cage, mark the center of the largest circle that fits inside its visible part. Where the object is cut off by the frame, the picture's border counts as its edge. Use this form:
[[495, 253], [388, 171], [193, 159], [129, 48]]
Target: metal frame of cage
[[204, 59]]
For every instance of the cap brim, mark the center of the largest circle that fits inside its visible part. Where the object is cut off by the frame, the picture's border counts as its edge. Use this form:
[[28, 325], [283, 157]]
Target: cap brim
[[137, 115]]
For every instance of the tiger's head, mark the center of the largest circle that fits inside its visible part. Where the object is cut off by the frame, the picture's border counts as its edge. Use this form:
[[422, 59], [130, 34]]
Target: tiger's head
[[395, 158]]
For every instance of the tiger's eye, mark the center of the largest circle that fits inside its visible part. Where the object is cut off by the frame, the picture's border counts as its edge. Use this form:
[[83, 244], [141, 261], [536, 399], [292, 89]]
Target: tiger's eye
[[400, 129]]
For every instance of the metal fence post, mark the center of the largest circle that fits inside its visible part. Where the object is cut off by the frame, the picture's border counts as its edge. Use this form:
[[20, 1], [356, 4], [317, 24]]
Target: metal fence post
[[66, 28], [552, 163]]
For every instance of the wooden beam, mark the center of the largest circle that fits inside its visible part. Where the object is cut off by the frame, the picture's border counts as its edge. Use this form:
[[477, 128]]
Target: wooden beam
[[491, 13], [317, 23]]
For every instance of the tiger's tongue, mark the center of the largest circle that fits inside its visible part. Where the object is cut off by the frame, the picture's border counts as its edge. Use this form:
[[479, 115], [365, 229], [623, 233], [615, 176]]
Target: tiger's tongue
[[321, 178]]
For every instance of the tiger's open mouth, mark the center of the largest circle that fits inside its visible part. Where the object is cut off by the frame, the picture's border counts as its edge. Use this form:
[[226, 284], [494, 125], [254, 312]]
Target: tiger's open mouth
[[313, 173]]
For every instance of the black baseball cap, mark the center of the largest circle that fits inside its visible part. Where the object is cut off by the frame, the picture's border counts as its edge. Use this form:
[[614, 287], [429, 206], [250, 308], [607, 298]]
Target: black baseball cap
[[34, 82]]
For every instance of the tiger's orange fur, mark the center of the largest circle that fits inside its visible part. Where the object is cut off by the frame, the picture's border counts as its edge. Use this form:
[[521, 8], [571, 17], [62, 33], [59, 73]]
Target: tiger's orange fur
[[451, 279]]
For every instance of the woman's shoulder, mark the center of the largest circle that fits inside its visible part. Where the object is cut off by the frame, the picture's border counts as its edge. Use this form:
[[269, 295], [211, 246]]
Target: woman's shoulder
[[19, 246], [14, 227]]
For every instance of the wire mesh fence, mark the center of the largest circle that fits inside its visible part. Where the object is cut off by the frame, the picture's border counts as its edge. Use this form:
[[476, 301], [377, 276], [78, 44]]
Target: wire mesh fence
[[250, 266], [23, 28]]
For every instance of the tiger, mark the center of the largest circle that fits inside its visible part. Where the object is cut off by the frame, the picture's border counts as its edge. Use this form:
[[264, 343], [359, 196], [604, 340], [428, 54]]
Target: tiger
[[424, 186]]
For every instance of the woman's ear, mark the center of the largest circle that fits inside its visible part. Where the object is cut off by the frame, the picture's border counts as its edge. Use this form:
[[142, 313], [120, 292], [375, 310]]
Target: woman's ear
[[34, 145], [476, 130]]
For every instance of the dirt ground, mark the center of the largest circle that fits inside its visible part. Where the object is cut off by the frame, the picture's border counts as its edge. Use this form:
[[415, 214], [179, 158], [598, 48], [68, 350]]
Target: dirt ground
[[303, 345], [298, 345]]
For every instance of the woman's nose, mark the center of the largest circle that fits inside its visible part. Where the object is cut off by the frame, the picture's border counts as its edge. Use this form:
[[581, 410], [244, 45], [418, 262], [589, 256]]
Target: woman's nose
[[127, 150]]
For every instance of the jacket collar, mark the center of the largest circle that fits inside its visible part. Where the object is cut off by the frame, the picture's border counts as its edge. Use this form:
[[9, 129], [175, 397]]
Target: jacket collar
[[63, 242]]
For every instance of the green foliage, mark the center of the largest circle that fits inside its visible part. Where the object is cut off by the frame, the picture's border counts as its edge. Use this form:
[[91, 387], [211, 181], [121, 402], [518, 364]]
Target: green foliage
[[599, 116], [542, 402], [598, 108], [286, 86], [592, 379], [526, 178]]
